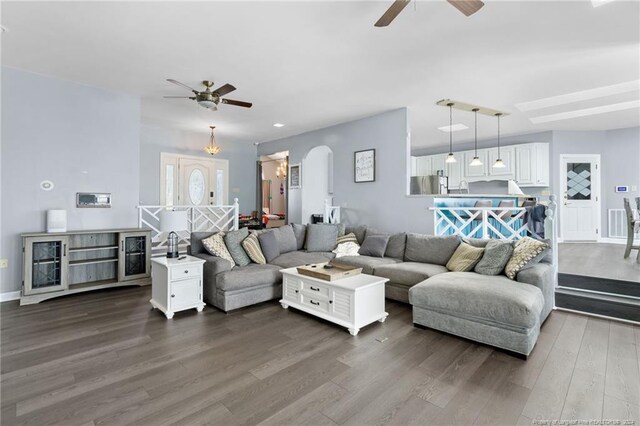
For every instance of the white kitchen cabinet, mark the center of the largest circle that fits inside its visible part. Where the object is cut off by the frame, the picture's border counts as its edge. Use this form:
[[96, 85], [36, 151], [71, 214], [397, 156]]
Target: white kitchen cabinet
[[475, 173], [507, 153], [413, 161], [423, 165], [455, 173], [438, 163], [532, 164]]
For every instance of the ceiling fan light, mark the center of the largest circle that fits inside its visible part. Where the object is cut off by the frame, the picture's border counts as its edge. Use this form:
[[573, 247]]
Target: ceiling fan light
[[208, 105], [450, 158], [476, 162], [499, 164]]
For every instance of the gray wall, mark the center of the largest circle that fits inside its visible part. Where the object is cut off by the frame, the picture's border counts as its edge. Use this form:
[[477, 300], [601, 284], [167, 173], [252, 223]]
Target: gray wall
[[82, 138], [381, 204], [242, 162]]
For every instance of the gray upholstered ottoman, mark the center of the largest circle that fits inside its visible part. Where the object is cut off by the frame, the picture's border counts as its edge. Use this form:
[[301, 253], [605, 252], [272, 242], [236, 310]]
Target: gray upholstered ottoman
[[489, 309]]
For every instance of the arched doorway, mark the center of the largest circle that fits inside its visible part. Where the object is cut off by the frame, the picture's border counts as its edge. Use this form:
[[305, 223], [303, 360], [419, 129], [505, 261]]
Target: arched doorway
[[317, 181]]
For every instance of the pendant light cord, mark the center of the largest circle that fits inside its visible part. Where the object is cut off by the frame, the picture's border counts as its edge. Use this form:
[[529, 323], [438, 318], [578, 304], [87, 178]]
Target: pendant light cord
[[475, 112], [498, 114], [450, 128]]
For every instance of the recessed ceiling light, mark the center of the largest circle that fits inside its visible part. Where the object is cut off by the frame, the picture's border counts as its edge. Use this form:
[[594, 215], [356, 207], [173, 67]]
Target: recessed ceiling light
[[586, 112], [278, 125], [453, 128], [583, 95], [597, 3]]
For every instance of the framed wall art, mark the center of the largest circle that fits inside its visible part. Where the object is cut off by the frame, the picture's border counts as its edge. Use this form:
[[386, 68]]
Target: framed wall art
[[364, 166], [294, 176]]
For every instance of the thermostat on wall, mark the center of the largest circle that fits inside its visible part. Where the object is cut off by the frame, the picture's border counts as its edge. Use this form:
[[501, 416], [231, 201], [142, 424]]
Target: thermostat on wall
[[622, 188]]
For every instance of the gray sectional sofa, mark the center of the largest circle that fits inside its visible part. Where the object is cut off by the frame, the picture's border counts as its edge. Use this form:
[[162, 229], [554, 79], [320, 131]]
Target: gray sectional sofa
[[494, 310]]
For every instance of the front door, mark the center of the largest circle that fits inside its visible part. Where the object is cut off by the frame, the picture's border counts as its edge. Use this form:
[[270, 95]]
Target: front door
[[203, 182], [580, 189]]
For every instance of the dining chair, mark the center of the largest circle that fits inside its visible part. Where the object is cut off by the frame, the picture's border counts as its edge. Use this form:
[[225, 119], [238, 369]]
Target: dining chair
[[633, 226]]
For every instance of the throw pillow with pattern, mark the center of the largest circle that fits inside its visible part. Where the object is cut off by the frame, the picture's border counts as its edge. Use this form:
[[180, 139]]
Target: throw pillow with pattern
[[216, 247], [348, 238], [251, 245], [524, 252]]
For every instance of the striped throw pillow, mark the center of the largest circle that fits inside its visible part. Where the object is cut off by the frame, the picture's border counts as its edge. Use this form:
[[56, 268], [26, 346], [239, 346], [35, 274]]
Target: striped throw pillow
[[349, 238], [215, 246], [251, 246]]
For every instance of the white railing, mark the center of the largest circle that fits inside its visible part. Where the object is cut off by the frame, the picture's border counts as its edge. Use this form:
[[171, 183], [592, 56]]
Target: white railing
[[331, 213], [618, 222], [199, 219], [505, 223]]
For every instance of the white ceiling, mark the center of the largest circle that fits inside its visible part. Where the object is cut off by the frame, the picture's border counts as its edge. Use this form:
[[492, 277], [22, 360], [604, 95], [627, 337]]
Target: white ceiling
[[314, 64]]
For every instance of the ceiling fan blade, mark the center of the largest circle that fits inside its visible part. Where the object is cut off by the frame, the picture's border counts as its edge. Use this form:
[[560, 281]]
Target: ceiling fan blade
[[179, 97], [468, 7], [170, 80], [392, 12], [223, 90], [237, 103]]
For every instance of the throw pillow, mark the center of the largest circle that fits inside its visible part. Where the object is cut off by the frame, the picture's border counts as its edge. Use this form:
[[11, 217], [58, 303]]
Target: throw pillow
[[477, 242], [464, 258], [396, 246], [496, 255], [430, 249], [233, 240], [374, 245], [321, 237], [359, 231], [300, 231], [348, 248], [286, 239], [526, 250], [252, 246], [348, 238], [216, 247], [269, 245]]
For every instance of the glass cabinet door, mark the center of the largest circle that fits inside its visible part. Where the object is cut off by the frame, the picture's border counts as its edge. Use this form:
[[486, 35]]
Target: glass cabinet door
[[135, 251], [46, 264]]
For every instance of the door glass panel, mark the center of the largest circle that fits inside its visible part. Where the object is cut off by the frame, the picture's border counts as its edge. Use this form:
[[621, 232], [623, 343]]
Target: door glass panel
[[578, 181], [168, 184], [196, 187], [219, 186], [135, 255], [47, 264]]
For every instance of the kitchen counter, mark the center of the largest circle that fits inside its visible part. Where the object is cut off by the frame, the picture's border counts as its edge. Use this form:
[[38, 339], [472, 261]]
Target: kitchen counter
[[482, 196]]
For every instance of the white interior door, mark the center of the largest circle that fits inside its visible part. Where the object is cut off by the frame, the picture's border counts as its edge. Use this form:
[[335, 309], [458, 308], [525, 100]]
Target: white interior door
[[580, 189]]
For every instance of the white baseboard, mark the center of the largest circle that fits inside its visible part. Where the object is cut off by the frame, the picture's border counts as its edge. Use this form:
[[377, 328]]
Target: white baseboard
[[9, 295], [622, 241]]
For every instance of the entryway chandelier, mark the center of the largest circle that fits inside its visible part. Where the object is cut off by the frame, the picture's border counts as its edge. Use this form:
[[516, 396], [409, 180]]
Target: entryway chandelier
[[212, 148], [281, 171]]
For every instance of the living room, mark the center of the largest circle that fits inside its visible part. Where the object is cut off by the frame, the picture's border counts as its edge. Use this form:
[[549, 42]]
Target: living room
[[456, 292]]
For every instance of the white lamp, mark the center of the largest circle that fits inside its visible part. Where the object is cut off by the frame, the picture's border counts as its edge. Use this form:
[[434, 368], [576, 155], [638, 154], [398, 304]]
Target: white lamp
[[172, 221]]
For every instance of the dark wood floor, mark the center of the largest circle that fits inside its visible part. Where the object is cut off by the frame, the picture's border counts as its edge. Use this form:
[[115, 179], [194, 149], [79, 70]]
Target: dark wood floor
[[107, 358]]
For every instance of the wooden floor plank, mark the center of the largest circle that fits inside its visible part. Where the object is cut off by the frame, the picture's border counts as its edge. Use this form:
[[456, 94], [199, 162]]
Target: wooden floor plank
[[107, 358]]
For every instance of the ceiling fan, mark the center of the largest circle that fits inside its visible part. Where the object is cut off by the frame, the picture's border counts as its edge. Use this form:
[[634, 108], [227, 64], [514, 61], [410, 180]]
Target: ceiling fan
[[468, 7], [210, 98]]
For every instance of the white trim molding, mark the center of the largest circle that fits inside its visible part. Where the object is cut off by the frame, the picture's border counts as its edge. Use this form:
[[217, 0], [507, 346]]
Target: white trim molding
[[9, 295]]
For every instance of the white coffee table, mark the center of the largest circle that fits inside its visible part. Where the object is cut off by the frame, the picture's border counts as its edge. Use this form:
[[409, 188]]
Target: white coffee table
[[351, 302]]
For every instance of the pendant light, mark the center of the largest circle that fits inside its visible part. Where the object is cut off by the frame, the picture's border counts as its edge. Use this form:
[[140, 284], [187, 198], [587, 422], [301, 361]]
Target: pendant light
[[212, 148], [476, 160], [499, 164], [450, 158]]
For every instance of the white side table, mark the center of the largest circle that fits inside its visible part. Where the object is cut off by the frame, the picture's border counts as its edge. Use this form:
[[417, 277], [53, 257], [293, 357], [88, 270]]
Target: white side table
[[176, 285]]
